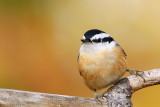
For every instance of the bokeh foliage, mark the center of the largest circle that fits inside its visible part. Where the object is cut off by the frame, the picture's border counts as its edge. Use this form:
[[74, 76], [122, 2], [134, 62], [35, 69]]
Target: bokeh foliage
[[40, 39]]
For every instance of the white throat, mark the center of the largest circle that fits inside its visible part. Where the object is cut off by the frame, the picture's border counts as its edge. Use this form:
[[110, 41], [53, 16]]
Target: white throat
[[96, 47]]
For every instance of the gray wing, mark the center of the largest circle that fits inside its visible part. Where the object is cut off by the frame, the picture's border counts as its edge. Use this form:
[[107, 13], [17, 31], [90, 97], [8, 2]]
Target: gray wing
[[121, 50]]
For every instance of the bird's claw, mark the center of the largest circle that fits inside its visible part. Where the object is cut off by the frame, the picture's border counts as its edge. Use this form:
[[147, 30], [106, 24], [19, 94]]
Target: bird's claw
[[135, 72], [98, 97]]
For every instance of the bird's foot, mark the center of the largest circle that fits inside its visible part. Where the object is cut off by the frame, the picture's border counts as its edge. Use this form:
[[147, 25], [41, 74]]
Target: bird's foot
[[135, 72], [98, 97]]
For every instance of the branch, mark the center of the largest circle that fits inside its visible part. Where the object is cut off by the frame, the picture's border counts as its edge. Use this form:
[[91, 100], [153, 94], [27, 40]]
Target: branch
[[119, 95]]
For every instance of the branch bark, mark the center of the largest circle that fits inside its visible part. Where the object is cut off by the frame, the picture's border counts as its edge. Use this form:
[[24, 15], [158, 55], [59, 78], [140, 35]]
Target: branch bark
[[119, 95]]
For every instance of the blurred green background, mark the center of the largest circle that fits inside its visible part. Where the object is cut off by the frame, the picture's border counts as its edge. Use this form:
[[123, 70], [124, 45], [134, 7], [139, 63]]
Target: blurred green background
[[40, 40]]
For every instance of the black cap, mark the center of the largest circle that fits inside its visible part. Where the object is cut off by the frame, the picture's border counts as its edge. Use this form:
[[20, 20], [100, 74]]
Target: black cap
[[89, 34]]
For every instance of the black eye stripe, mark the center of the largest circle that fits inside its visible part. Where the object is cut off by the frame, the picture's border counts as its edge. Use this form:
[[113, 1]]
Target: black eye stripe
[[88, 40], [96, 40], [107, 39]]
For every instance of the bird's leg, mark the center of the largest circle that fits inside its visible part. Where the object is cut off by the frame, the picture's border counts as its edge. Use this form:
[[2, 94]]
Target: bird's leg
[[97, 96], [135, 72]]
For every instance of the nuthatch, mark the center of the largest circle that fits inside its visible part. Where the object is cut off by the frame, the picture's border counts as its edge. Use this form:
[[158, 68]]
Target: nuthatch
[[101, 61]]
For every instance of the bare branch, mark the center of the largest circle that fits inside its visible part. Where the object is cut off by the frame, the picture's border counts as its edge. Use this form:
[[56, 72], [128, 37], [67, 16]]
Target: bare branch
[[119, 95], [152, 77], [14, 98]]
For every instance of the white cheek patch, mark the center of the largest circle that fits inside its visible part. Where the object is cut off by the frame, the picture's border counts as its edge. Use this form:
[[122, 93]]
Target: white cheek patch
[[101, 35]]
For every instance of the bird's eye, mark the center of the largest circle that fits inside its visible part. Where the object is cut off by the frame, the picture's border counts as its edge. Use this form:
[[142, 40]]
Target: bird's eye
[[88, 40], [99, 40], [96, 40]]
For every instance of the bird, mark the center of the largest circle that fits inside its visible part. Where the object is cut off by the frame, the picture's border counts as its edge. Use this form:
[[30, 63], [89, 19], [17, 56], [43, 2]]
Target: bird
[[101, 60]]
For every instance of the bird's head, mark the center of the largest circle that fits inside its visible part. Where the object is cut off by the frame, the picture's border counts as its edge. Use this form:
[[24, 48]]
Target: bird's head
[[96, 36]]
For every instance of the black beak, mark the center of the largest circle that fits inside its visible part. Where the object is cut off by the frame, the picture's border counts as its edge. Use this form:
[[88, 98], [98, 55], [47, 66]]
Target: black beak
[[86, 40], [83, 40]]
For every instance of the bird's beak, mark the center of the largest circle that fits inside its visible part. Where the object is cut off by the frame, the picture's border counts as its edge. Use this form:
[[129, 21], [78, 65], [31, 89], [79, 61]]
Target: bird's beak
[[86, 40], [83, 40]]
